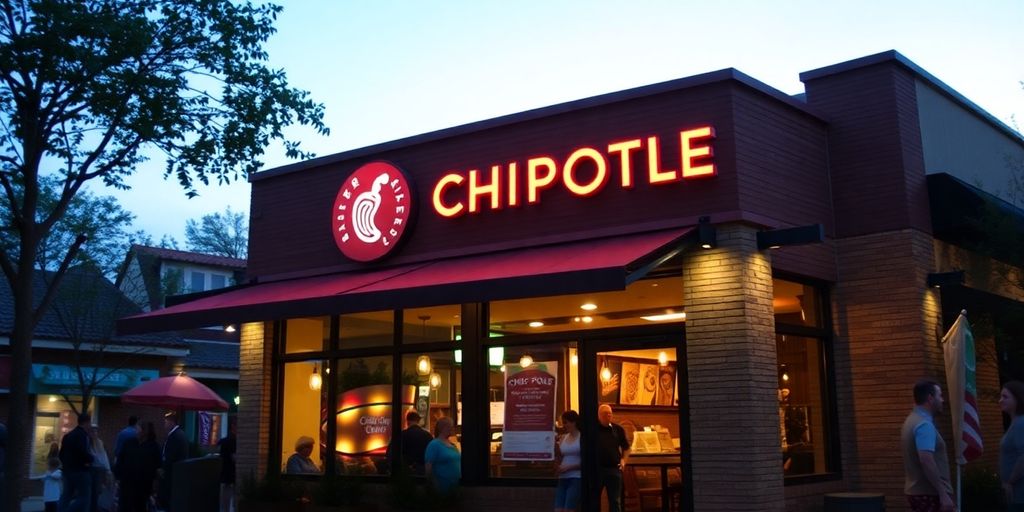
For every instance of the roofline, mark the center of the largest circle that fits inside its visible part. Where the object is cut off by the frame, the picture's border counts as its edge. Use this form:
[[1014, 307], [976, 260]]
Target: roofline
[[238, 264], [898, 58], [142, 350], [678, 84]]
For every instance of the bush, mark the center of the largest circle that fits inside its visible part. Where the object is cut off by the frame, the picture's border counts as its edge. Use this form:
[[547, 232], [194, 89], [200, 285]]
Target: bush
[[982, 490], [338, 491]]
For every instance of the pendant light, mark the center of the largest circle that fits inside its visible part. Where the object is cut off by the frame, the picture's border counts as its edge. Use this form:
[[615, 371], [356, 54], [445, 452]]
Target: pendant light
[[315, 381]]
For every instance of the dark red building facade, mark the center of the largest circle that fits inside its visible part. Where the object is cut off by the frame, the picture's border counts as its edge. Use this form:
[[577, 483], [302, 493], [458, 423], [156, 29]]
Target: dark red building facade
[[743, 275]]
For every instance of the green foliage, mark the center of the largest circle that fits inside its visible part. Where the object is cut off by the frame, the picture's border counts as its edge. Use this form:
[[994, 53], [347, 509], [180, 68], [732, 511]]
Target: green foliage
[[338, 491], [100, 219], [982, 490], [221, 234], [358, 374], [271, 489]]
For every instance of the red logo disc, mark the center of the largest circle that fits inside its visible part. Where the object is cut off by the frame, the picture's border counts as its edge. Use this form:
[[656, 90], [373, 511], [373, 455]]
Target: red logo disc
[[371, 211]]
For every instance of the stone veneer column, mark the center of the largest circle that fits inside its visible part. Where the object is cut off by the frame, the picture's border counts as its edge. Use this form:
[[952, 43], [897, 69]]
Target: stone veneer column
[[732, 363], [254, 399]]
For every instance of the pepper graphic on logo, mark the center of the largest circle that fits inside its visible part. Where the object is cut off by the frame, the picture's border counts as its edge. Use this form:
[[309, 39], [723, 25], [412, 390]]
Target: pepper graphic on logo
[[372, 211]]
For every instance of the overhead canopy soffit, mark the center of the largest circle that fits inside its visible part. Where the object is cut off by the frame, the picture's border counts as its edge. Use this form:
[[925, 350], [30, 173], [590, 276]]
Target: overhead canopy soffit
[[577, 267]]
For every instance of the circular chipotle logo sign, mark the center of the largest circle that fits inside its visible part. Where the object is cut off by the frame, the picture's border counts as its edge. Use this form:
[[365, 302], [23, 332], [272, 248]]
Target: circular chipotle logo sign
[[371, 211]]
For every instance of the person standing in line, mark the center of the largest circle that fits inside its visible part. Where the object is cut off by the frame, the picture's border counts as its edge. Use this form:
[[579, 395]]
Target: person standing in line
[[228, 446], [925, 463], [612, 452], [151, 460], [175, 450], [76, 460], [442, 460], [129, 432], [1011, 448], [567, 494], [414, 443], [51, 485], [102, 497]]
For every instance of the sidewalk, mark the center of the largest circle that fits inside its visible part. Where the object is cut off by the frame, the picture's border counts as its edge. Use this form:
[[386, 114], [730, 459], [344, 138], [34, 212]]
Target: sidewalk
[[33, 504]]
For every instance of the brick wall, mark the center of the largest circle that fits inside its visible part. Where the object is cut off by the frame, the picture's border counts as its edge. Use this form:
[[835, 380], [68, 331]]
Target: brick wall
[[888, 329], [730, 331], [254, 391]]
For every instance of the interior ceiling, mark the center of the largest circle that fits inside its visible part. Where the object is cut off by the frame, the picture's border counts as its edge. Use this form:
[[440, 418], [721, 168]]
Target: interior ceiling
[[562, 312]]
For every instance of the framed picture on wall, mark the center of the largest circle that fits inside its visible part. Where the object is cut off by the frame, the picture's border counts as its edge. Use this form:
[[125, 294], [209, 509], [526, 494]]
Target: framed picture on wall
[[609, 379]]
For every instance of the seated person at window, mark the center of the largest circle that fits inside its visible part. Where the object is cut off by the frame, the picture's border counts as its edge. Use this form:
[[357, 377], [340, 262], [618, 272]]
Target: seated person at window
[[300, 463]]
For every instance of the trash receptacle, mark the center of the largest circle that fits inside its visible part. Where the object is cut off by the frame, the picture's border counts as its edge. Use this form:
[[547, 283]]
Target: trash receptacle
[[196, 485], [855, 502]]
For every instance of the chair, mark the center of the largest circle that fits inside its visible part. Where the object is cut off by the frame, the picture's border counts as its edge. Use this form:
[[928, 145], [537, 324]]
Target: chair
[[642, 493]]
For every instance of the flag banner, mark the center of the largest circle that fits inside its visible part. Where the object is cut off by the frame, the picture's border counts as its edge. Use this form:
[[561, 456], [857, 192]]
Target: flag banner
[[958, 349]]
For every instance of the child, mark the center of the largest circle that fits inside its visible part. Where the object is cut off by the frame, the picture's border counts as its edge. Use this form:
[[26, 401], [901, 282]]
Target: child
[[51, 484]]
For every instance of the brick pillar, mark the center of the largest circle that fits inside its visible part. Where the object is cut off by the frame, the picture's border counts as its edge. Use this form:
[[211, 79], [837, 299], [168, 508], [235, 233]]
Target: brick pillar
[[888, 327], [732, 361], [254, 399]]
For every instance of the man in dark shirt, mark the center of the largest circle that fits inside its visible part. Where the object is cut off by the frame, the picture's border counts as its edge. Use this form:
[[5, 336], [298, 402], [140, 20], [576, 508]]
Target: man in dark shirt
[[76, 463], [414, 444], [175, 450], [612, 451]]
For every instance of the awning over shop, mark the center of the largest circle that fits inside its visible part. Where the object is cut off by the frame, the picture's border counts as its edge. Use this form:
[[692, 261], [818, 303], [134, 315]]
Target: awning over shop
[[574, 267]]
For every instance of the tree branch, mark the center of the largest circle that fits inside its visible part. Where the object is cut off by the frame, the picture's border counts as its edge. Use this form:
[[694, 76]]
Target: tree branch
[[58, 276]]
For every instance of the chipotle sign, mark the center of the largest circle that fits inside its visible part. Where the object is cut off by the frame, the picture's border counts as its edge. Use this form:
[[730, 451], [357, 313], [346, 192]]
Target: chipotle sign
[[372, 211]]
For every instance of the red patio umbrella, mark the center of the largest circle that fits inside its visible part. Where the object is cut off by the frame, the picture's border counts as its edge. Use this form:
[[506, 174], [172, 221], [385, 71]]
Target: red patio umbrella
[[175, 392]]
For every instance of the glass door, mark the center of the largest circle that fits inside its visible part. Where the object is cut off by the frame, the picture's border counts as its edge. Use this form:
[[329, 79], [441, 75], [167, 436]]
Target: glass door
[[635, 387]]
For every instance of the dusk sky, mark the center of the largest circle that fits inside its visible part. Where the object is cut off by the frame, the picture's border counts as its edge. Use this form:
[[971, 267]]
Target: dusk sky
[[390, 69]]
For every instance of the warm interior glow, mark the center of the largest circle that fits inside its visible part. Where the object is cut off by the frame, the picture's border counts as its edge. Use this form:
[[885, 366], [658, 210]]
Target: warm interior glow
[[525, 361], [665, 317], [423, 365], [435, 380], [536, 324], [587, 319], [496, 356], [53, 398], [315, 381], [590, 306], [662, 358], [606, 374], [574, 359]]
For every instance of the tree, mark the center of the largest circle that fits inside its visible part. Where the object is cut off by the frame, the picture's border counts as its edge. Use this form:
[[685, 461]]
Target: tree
[[221, 234], [88, 88]]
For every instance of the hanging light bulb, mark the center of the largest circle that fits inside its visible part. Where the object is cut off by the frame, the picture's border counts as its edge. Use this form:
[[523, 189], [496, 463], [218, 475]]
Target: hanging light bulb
[[423, 365], [662, 358], [315, 381], [574, 359], [502, 369], [435, 380], [606, 374], [525, 361]]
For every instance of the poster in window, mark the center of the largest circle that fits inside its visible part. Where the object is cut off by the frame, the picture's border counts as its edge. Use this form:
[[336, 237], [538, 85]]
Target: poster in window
[[609, 378], [528, 430], [648, 387], [797, 424], [629, 393], [666, 385]]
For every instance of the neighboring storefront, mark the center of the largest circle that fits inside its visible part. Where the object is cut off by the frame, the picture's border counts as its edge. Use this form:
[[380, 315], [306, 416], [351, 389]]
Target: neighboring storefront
[[743, 275]]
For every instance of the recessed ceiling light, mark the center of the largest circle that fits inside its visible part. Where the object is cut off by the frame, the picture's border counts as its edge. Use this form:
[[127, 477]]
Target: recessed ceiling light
[[666, 317], [590, 306], [587, 319], [536, 324]]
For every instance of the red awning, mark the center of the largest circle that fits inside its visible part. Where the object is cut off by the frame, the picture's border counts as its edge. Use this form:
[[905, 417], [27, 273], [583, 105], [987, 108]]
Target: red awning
[[576, 267]]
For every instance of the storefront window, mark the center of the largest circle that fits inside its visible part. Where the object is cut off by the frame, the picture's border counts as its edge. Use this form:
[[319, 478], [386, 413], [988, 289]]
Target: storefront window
[[645, 302], [373, 329], [304, 402], [796, 304], [307, 335], [425, 325], [434, 379], [54, 418], [527, 392], [362, 414], [803, 391]]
